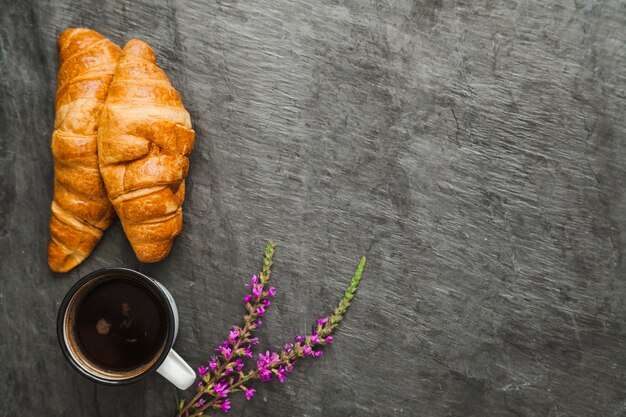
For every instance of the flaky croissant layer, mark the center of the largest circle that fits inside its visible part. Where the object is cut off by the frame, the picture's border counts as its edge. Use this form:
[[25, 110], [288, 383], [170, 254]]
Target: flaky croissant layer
[[144, 138], [81, 210]]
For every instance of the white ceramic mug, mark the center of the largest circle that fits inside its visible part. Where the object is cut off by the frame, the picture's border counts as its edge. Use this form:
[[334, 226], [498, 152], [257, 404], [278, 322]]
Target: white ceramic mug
[[165, 360]]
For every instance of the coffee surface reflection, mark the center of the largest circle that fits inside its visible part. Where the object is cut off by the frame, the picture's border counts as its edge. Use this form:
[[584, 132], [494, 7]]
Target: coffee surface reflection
[[119, 325]]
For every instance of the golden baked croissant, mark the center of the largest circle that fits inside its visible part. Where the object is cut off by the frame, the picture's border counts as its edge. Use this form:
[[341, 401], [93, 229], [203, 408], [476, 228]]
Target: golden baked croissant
[[80, 209], [144, 138]]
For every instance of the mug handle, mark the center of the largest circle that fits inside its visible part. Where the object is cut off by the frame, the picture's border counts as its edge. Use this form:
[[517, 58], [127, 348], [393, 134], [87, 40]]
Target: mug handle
[[176, 370]]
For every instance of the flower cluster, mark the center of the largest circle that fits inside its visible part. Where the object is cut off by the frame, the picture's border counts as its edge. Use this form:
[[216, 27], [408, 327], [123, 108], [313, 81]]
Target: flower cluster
[[224, 374], [278, 365]]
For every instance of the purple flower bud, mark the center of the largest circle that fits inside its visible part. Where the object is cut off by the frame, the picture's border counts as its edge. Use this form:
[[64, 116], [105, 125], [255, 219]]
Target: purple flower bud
[[260, 310], [247, 298], [227, 352], [202, 371], [233, 334], [200, 384], [257, 290], [265, 374], [307, 351], [264, 358], [288, 347], [271, 292], [200, 403], [268, 359], [254, 340], [248, 352], [329, 339], [221, 389], [258, 324], [322, 321], [266, 302], [254, 280], [317, 354], [225, 406], [239, 364], [281, 374], [315, 338], [299, 339], [249, 393], [213, 363]]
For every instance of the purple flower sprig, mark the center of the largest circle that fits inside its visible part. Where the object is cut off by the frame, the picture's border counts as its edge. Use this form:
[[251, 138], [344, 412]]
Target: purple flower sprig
[[273, 365], [224, 374], [218, 375]]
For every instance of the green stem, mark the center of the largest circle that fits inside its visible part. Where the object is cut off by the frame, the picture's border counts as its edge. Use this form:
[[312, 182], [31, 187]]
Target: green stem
[[345, 302]]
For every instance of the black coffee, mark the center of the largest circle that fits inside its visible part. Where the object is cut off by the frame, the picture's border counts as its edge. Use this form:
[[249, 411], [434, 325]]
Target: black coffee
[[120, 325]]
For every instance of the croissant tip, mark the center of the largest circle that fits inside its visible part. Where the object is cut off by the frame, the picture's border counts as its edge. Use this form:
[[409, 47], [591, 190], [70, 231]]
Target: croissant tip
[[135, 42], [58, 261], [137, 47], [72, 40], [60, 269], [69, 32], [153, 251]]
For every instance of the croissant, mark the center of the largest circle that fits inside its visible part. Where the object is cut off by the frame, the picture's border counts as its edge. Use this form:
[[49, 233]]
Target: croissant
[[80, 211], [144, 138]]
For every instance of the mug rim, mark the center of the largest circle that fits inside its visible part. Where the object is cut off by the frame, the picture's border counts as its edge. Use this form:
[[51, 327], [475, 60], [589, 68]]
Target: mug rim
[[169, 312]]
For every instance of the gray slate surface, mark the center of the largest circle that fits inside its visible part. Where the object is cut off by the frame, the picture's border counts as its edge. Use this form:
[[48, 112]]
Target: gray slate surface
[[473, 150]]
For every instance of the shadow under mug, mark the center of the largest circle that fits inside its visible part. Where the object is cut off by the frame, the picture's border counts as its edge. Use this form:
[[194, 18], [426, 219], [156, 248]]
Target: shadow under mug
[[165, 361]]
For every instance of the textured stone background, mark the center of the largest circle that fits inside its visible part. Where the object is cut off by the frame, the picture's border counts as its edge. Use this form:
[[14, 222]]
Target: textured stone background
[[473, 150]]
